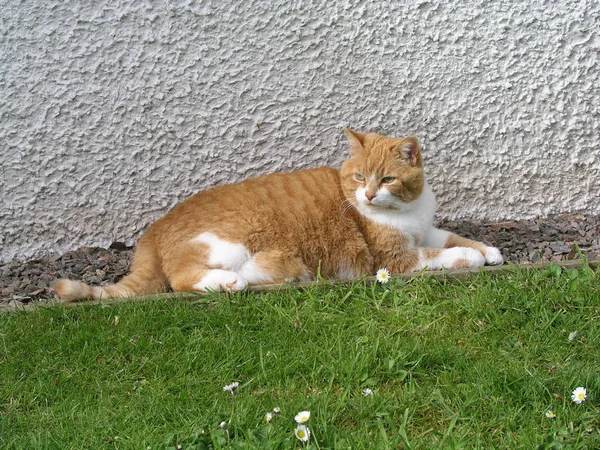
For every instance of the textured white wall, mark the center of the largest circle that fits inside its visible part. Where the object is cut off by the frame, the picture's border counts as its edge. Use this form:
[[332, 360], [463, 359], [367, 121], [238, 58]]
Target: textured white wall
[[112, 112]]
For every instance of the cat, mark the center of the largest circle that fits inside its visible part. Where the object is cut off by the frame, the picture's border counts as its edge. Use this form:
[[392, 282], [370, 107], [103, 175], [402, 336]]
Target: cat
[[375, 212]]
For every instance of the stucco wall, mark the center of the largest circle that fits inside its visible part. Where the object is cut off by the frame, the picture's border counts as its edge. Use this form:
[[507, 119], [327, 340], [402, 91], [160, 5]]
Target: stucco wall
[[111, 112]]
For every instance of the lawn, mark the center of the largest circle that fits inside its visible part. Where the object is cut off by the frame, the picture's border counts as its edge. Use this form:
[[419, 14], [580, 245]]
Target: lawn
[[415, 364]]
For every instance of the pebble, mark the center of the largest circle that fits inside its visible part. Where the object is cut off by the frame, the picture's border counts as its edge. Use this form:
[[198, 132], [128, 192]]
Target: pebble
[[560, 247]]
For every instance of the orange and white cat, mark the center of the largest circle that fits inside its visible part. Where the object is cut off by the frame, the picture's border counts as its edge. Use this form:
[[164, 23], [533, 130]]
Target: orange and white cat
[[376, 211]]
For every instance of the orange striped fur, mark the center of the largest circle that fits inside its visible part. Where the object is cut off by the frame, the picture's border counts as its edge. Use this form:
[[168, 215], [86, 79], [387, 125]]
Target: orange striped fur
[[376, 211]]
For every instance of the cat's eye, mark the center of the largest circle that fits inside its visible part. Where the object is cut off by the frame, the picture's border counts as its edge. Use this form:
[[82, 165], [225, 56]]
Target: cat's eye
[[388, 180], [359, 177]]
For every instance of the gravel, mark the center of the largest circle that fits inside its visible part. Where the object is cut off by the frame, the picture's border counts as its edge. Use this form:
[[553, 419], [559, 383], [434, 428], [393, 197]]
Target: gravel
[[551, 238]]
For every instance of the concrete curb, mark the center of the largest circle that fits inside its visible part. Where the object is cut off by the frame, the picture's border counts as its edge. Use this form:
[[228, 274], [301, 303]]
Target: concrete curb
[[437, 274]]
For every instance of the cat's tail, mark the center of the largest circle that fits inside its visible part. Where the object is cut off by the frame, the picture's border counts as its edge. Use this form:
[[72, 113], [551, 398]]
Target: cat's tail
[[146, 278]]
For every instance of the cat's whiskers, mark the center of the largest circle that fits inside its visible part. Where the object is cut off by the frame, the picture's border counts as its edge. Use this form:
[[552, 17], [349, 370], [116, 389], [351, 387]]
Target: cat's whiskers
[[346, 206]]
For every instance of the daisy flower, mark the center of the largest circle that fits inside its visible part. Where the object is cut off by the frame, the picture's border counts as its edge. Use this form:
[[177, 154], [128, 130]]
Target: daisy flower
[[302, 433], [302, 416], [572, 335], [579, 395], [550, 415], [383, 276], [277, 410], [231, 387], [367, 392], [269, 417]]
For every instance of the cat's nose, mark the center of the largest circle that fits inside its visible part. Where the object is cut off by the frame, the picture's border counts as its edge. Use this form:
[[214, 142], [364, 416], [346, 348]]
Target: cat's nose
[[370, 196]]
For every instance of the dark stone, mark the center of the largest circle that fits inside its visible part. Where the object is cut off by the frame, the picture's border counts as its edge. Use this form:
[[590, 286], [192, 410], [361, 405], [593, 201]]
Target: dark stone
[[560, 247], [535, 256], [120, 246]]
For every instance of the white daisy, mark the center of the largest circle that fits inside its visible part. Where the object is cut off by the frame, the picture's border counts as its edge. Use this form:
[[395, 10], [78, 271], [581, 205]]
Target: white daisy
[[277, 410], [383, 275], [572, 335], [550, 415], [269, 417], [223, 425], [579, 395], [366, 392], [302, 416], [231, 387], [302, 433]]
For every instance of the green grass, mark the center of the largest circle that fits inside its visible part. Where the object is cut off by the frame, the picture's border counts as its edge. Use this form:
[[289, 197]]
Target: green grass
[[472, 363]]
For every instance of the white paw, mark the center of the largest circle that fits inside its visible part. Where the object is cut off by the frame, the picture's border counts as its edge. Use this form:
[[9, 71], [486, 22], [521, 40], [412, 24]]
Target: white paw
[[221, 280], [493, 257], [475, 259], [459, 257], [454, 258]]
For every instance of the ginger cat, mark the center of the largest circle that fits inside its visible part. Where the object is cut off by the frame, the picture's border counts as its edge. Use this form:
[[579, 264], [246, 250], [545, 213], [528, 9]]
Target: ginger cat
[[376, 211]]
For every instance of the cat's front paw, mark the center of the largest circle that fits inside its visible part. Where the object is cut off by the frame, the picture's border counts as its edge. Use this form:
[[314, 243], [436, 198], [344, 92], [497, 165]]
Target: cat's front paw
[[452, 258], [464, 258], [493, 257]]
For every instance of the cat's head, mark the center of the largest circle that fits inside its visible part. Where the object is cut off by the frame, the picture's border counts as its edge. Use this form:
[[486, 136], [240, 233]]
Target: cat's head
[[382, 172]]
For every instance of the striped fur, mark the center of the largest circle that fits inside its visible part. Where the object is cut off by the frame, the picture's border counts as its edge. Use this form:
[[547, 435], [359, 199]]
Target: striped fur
[[376, 211]]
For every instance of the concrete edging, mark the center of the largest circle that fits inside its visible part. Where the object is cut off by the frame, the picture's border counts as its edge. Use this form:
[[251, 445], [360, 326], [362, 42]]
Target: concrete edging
[[437, 274]]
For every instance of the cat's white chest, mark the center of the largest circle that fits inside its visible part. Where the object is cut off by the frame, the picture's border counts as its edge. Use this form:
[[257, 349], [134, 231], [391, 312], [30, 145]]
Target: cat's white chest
[[413, 220]]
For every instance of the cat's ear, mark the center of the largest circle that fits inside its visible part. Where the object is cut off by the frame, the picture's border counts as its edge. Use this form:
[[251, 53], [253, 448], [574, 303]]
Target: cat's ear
[[356, 140], [410, 151]]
